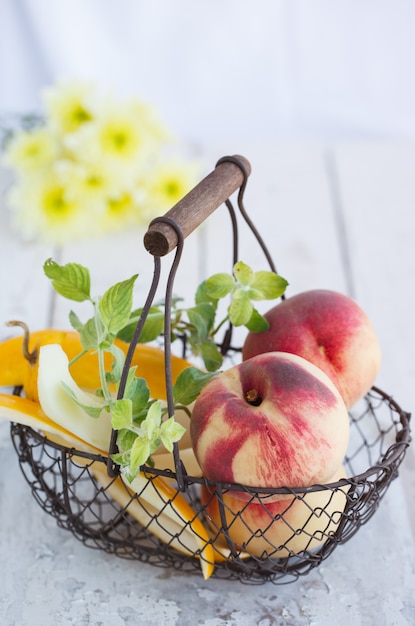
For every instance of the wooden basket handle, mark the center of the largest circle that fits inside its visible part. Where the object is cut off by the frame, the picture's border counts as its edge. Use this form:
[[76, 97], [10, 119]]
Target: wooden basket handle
[[229, 174]]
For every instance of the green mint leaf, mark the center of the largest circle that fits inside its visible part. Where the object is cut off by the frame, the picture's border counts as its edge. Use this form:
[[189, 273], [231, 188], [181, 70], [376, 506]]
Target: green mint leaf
[[257, 322], [174, 301], [254, 294], [202, 296], [117, 363], [153, 326], [125, 440], [268, 285], [130, 382], [75, 321], [115, 305], [88, 335], [126, 333], [122, 458], [140, 452], [148, 440], [153, 420], [211, 355], [202, 317], [137, 390], [219, 285], [171, 432], [189, 384], [121, 414], [240, 309], [243, 274], [72, 281], [92, 411]]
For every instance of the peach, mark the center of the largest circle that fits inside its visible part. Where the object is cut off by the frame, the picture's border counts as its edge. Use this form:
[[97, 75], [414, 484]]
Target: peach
[[278, 529], [274, 420], [329, 329]]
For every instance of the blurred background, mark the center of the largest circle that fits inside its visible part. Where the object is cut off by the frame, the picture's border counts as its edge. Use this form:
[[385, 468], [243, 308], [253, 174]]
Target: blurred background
[[224, 68]]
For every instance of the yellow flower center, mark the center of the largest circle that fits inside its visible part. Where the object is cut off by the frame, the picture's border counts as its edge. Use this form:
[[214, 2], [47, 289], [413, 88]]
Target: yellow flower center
[[33, 149], [55, 205], [119, 141], [172, 188], [121, 205], [79, 115], [94, 181]]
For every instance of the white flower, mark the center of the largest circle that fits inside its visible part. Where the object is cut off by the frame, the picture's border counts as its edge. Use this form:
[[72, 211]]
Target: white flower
[[45, 210], [122, 209], [90, 181], [70, 105], [119, 138], [168, 182], [31, 151], [95, 166]]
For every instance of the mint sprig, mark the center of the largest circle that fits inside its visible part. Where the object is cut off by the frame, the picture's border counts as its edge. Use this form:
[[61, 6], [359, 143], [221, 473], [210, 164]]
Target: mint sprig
[[243, 287], [138, 440], [141, 422], [71, 281], [199, 323]]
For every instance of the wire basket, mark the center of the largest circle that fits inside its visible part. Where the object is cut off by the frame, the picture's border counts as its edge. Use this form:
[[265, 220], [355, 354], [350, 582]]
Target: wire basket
[[175, 520]]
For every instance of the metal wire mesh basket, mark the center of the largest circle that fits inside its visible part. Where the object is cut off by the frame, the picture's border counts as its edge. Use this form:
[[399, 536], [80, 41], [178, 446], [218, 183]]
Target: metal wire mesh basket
[[175, 520]]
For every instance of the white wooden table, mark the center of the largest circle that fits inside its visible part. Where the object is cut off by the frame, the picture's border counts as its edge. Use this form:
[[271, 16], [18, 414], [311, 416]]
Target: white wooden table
[[339, 217]]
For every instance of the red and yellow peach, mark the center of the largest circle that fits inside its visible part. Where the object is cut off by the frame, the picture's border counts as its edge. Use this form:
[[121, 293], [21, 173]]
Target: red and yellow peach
[[278, 529], [328, 329], [274, 420]]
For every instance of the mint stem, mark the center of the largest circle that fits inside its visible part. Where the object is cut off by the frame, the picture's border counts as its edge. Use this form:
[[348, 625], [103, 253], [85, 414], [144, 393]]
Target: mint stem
[[219, 326], [101, 362], [77, 357]]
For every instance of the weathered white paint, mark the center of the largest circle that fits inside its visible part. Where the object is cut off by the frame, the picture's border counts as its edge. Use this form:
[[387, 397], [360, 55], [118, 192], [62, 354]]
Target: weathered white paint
[[340, 217]]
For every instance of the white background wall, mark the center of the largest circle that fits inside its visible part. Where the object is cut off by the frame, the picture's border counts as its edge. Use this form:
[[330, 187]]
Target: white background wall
[[225, 68]]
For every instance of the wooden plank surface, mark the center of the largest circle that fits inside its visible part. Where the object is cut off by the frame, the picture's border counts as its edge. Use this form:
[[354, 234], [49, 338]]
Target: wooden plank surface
[[339, 217], [377, 192], [288, 198]]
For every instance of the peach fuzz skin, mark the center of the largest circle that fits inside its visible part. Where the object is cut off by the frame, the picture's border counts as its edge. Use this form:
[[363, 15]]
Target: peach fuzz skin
[[330, 330], [295, 437], [282, 528]]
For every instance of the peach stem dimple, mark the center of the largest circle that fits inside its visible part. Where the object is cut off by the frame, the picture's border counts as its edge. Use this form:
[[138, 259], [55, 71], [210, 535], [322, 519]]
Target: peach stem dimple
[[252, 397]]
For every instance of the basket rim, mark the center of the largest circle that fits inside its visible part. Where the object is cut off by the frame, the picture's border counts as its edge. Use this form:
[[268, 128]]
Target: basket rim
[[389, 458]]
